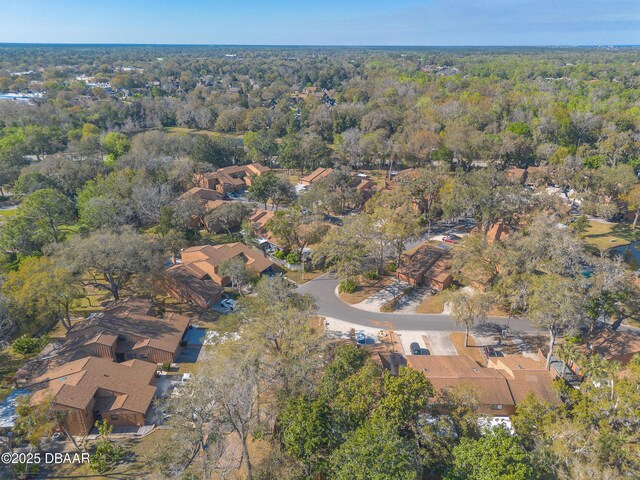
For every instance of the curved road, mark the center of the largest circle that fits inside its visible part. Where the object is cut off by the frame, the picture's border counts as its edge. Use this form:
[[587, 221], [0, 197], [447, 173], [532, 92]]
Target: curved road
[[323, 288]]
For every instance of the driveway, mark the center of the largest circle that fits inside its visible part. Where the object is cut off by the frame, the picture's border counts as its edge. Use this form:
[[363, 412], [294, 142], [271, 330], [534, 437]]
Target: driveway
[[441, 343], [384, 295]]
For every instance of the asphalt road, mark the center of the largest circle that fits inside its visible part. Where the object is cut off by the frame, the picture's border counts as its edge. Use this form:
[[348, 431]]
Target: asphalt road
[[329, 305]]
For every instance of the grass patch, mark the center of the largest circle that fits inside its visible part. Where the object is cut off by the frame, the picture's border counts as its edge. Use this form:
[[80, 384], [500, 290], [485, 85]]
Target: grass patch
[[220, 238], [473, 350], [296, 276], [8, 213], [607, 235], [195, 131], [365, 289], [138, 464], [432, 304], [10, 363]]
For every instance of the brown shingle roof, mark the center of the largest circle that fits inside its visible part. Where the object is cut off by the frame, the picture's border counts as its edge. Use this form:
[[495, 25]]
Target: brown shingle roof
[[615, 345], [450, 371], [133, 317], [75, 384], [260, 217], [525, 375], [316, 175], [209, 257]]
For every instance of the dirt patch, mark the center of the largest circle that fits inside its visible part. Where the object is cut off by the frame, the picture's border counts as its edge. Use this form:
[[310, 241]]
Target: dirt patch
[[432, 304], [472, 350], [365, 289]]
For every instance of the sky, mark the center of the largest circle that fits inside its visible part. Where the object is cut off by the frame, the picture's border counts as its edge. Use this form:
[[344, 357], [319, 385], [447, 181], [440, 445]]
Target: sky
[[322, 22]]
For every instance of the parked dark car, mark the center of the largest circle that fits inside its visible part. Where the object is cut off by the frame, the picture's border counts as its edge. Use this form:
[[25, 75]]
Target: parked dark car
[[415, 349]]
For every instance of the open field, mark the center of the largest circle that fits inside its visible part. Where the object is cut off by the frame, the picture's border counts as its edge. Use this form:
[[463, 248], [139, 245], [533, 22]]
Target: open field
[[608, 235]]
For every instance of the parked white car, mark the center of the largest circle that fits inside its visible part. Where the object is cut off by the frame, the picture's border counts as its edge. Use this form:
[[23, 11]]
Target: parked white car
[[229, 303]]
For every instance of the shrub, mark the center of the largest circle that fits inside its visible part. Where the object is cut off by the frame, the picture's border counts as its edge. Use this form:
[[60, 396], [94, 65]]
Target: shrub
[[293, 258], [279, 254], [389, 306], [28, 345], [371, 275], [392, 267], [160, 311], [347, 286], [107, 453], [166, 366]]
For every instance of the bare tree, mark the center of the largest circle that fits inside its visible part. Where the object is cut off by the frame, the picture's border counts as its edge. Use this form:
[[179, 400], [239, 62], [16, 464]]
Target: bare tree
[[469, 308]]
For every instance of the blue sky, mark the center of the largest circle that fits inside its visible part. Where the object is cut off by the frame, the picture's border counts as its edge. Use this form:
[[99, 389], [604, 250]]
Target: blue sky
[[328, 22]]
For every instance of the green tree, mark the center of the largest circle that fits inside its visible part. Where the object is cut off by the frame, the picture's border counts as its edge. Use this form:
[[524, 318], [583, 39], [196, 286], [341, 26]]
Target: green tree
[[107, 454], [263, 187], [557, 305], [110, 259], [406, 395], [261, 146], [495, 455], [293, 229], [40, 220], [116, 145], [633, 202], [238, 273], [375, 451], [306, 431], [40, 292]]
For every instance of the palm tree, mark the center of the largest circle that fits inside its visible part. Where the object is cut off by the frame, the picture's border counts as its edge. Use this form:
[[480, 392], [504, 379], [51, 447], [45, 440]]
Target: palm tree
[[566, 352], [601, 371]]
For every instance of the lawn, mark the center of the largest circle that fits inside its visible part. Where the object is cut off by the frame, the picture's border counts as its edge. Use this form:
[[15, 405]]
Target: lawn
[[8, 213], [194, 131], [308, 275], [140, 455], [472, 350], [365, 289], [432, 304], [607, 235], [10, 362]]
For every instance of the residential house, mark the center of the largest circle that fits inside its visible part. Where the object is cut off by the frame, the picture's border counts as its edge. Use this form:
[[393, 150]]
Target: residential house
[[518, 175], [525, 376], [318, 174], [203, 262], [181, 283], [537, 176], [367, 185], [259, 219], [128, 330], [209, 199], [427, 265], [446, 372], [233, 178], [498, 232], [612, 345], [500, 388], [93, 388]]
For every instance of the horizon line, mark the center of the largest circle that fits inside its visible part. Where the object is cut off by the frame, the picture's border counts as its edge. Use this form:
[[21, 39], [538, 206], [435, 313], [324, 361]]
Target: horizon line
[[246, 45]]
